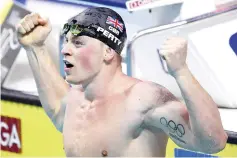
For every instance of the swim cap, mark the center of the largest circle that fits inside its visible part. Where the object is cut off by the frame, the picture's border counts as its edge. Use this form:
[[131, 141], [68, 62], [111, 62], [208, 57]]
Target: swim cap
[[101, 23]]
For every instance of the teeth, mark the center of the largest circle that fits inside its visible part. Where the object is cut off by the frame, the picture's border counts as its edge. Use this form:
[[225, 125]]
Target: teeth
[[66, 62]]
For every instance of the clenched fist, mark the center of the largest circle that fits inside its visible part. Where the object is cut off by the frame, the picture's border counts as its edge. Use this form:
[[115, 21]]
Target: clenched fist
[[174, 51], [33, 30]]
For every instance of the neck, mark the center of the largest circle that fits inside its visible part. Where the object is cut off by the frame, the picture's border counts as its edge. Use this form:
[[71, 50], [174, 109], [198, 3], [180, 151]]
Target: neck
[[103, 83]]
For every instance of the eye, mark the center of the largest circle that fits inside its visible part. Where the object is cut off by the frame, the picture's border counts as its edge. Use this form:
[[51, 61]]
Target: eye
[[65, 40], [78, 43]]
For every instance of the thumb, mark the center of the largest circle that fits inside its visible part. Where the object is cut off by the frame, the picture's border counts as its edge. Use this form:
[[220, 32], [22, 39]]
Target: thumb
[[43, 21]]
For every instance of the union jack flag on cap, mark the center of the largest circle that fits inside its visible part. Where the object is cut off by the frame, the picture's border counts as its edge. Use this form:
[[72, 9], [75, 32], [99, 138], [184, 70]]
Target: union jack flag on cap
[[115, 23]]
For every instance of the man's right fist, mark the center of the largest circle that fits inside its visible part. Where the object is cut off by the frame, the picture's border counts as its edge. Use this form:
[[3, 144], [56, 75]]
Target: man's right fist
[[33, 30]]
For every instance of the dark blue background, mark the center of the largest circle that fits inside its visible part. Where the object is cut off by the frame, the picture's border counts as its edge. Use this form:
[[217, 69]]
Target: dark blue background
[[115, 3], [233, 42]]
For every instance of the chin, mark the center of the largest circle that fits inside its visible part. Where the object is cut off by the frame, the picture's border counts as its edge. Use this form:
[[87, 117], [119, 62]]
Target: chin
[[71, 80], [78, 79], [74, 80]]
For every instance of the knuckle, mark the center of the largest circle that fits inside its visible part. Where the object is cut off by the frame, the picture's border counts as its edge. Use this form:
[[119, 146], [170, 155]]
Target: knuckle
[[34, 20], [27, 17], [31, 19], [22, 21], [24, 24], [32, 15], [31, 26], [35, 14]]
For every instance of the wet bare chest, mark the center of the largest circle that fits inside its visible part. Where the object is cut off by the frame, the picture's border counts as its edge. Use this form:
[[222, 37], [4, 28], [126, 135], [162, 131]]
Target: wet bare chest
[[102, 129]]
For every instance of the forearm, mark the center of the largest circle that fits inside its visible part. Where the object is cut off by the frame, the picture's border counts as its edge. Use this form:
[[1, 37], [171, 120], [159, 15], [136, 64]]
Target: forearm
[[204, 116], [51, 86]]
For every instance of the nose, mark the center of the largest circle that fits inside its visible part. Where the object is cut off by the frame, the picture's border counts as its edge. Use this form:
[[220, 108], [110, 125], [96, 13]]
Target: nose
[[66, 50]]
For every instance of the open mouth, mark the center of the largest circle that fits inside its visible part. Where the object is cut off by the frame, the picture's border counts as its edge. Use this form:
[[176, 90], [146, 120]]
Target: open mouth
[[68, 64]]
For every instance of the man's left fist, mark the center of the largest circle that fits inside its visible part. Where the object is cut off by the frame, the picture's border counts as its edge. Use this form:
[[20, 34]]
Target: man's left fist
[[174, 51]]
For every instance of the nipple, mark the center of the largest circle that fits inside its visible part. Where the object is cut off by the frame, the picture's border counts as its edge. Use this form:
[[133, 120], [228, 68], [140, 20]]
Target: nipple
[[104, 153]]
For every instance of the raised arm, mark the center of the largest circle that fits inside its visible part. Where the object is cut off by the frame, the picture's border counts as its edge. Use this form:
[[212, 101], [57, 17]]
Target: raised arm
[[195, 128], [32, 33], [196, 125]]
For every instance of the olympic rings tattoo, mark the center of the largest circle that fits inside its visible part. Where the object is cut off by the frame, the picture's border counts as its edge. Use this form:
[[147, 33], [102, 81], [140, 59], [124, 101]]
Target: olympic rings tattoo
[[178, 129]]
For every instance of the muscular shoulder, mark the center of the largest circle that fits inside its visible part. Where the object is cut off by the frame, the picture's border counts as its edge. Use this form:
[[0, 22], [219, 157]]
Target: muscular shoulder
[[151, 93]]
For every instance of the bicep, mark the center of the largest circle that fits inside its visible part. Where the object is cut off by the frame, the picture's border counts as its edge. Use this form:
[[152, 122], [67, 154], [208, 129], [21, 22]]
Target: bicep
[[173, 120]]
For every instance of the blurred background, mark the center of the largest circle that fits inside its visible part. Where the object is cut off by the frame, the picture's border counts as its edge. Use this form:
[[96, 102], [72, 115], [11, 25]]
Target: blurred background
[[209, 26]]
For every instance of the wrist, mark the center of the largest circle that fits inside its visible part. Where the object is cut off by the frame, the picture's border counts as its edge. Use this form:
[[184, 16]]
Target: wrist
[[35, 47], [181, 72], [38, 46]]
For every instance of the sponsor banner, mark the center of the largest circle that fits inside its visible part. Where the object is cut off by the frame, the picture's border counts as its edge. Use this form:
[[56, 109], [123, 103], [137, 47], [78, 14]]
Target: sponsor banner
[[10, 134], [134, 5], [27, 131], [10, 46]]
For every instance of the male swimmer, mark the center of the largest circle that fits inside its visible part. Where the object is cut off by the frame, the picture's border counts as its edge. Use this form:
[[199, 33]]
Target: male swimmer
[[110, 113]]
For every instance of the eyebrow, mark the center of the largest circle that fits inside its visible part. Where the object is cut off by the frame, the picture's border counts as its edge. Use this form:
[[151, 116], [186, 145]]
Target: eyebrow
[[77, 37], [74, 37]]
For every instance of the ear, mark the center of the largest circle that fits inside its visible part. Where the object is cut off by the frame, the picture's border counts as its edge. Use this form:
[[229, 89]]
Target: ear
[[109, 54]]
